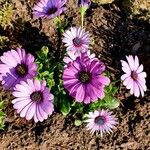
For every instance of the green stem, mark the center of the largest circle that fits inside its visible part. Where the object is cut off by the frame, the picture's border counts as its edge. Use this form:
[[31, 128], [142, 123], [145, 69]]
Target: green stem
[[82, 20]]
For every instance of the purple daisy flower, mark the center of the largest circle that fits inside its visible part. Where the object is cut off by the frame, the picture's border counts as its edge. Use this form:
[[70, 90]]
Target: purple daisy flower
[[76, 40], [33, 100], [16, 66], [101, 121], [84, 80], [134, 77], [84, 3], [49, 8]]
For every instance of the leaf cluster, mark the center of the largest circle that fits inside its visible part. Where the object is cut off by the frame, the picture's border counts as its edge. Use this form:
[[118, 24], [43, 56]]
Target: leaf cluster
[[46, 66], [2, 116]]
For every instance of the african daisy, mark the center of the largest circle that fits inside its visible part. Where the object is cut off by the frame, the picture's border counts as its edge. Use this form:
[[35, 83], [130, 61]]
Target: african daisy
[[76, 40], [33, 100], [16, 66], [134, 77], [84, 80], [101, 121], [49, 8]]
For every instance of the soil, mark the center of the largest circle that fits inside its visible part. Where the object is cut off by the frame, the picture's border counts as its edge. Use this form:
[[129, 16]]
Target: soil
[[114, 36]]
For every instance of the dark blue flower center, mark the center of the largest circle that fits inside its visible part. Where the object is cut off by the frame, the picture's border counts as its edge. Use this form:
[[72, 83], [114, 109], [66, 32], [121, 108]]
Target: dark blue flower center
[[52, 10], [84, 77], [21, 70], [36, 96], [134, 75], [77, 42], [100, 120]]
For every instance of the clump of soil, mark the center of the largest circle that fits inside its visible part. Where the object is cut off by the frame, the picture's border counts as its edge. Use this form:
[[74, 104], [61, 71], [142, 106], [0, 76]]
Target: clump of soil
[[114, 37]]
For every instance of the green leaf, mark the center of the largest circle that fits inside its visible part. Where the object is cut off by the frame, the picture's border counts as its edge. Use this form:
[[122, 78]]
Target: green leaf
[[1, 104], [63, 104], [111, 102], [45, 51], [77, 122], [2, 115], [43, 54], [111, 89]]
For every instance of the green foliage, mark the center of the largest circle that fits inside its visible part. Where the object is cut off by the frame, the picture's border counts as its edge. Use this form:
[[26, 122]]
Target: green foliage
[[61, 25], [62, 102], [2, 116], [45, 66], [51, 71], [77, 122], [111, 89], [109, 102], [6, 12]]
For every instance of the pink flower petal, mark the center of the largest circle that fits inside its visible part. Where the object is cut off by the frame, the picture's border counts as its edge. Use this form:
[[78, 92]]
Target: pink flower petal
[[37, 85], [140, 69], [125, 67], [80, 93], [136, 90], [126, 81], [130, 60], [142, 75], [136, 63], [31, 111], [123, 77], [25, 109]]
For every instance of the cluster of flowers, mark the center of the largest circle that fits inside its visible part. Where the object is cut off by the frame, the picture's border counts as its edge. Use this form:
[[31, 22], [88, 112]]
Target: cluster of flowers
[[32, 98], [82, 75]]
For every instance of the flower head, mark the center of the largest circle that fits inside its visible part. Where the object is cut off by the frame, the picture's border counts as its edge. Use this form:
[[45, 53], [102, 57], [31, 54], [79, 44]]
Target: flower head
[[16, 66], [49, 8], [76, 40], [84, 80], [84, 3], [33, 100], [134, 77], [101, 121]]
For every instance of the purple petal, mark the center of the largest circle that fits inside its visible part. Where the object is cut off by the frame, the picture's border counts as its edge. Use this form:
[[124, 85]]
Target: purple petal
[[31, 111]]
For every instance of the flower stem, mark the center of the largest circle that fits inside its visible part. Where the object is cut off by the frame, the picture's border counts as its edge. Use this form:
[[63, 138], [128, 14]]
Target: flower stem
[[82, 20]]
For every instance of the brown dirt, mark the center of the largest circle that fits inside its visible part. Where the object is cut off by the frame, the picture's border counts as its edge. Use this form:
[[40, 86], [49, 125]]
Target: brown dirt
[[114, 36]]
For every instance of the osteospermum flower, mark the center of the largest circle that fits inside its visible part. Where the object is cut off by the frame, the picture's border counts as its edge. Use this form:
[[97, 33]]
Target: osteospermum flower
[[101, 121], [134, 77], [16, 66], [33, 100], [76, 40], [72, 56], [84, 80], [49, 8]]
